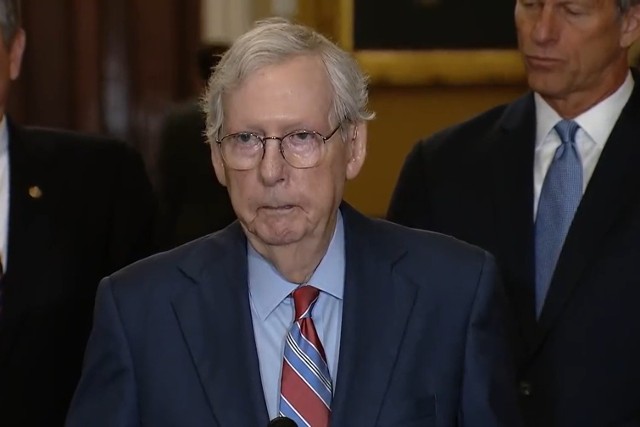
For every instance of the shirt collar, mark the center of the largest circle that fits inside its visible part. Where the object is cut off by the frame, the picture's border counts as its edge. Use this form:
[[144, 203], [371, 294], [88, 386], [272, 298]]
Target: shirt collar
[[267, 287], [4, 135], [597, 122]]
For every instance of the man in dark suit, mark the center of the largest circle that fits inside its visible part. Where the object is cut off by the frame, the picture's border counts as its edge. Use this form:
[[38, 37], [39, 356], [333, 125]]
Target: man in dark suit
[[192, 201], [72, 210], [392, 326], [549, 184]]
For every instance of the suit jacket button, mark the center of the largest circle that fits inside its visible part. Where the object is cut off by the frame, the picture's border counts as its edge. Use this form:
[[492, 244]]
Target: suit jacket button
[[525, 388], [35, 192]]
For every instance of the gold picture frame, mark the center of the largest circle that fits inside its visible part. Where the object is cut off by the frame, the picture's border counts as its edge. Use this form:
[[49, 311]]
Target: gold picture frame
[[431, 67]]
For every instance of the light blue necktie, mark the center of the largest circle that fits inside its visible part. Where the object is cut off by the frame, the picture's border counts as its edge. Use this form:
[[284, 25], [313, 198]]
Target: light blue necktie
[[559, 199]]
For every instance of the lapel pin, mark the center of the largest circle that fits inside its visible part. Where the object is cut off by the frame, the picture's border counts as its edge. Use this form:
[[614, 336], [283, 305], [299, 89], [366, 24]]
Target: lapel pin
[[35, 192]]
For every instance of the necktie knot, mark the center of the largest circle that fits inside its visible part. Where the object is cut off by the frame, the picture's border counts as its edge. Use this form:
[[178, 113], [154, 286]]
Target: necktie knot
[[566, 130], [304, 297]]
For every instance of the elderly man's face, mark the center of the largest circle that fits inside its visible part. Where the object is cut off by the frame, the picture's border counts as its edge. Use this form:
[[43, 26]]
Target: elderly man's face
[[276, 203]]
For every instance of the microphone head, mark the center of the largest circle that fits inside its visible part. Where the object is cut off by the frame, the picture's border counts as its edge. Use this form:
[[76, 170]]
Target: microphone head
[[282, 422]]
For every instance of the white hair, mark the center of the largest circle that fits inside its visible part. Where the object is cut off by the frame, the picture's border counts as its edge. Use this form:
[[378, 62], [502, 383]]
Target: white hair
[[273, 41]]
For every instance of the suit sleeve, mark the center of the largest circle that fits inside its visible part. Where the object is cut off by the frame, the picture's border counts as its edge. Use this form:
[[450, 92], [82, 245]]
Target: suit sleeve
[[106, 393], [488, 396], [409, 201], [134, 212]]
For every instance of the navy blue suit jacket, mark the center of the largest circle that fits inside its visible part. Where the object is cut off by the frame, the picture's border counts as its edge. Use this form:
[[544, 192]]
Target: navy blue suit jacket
[[422, 339], [80, 207], [579, 363]]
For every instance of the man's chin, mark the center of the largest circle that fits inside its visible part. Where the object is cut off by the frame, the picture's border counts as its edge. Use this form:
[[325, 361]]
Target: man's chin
[[545, 84], [274, 236]]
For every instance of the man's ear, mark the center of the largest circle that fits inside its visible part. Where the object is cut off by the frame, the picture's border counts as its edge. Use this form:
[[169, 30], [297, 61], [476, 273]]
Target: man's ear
[[630, 27], [357, 142], [16, 51], [218, 164]]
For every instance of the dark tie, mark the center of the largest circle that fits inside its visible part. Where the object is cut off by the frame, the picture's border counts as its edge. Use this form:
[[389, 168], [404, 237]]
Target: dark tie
[[305, 390], [559, 199]]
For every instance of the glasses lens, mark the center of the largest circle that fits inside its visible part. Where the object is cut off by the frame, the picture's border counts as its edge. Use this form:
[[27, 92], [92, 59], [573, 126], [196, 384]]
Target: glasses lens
[[302, 149], [241, 150]]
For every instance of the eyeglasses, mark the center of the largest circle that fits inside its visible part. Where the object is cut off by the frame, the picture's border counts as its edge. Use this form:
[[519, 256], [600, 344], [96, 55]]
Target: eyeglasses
[[301, 149]]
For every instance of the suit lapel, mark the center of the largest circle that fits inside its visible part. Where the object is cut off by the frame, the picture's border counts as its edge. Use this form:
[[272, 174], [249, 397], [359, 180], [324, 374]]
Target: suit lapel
[[29, 233], [513, 144], [215, 317], [377, 305], [615, 183]]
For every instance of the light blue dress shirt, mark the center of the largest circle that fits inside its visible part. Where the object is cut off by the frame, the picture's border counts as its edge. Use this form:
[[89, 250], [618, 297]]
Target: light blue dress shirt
[[272, 312]]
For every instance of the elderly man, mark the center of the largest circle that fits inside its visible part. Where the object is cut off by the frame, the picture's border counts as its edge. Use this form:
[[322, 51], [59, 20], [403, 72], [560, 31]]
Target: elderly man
[[302, 308], [550, 185]]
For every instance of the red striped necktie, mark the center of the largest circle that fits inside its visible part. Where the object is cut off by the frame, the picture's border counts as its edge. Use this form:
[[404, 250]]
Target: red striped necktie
[[306, 389]]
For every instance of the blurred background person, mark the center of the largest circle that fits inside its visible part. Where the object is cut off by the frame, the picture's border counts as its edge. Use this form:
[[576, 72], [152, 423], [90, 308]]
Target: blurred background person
[[192, 201], [73, 208]]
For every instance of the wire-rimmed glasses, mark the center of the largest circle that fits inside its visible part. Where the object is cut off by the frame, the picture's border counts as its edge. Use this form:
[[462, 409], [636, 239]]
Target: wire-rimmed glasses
[[301, 149]]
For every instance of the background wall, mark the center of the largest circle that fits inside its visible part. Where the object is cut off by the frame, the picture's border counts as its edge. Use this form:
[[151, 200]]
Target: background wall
[[107, 66], [117, 66]]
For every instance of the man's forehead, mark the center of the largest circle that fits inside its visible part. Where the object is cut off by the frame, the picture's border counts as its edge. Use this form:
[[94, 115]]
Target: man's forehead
[[283, 96], [299, 79], [307, 65]]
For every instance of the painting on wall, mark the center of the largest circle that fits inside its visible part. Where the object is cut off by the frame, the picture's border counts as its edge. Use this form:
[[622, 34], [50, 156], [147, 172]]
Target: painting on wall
[[416, 42]]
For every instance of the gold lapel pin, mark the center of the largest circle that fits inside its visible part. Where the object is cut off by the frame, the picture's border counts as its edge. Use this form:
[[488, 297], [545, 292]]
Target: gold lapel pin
[[35, 192]]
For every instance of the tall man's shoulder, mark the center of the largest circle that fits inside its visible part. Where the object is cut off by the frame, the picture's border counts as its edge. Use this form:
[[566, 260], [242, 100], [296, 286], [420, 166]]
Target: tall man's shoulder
[[458, 161], [82, 159], [98, 183], [70, 145], [473, 131]]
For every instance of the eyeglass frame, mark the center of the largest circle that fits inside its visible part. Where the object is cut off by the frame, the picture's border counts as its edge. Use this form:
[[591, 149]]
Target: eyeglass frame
[[263, 140]]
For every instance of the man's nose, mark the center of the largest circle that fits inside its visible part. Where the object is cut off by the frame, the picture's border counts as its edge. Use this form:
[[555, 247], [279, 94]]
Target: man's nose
[[545, 27], [273, 165]]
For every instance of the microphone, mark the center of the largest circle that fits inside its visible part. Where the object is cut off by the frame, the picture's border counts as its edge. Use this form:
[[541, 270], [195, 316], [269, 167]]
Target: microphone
[[282, 422]]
